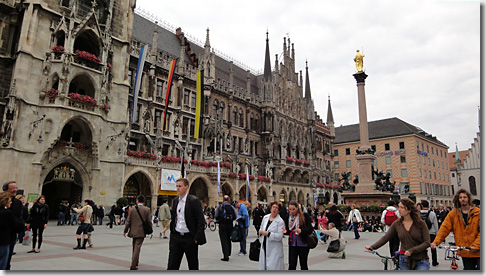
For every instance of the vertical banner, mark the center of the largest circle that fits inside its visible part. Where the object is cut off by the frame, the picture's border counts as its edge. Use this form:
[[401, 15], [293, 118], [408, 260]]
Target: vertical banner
[[183, 171], [199, 103], [247, 185], [219, 177], [167, 95], [138, 79]]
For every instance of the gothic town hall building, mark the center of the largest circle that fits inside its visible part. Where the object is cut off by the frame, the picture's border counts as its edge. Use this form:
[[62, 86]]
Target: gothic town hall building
[[66, 97]]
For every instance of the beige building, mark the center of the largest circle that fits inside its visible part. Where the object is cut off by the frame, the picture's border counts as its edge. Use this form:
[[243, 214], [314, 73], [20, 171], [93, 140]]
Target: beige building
[[411, 156], [465, 168], [66, 96]]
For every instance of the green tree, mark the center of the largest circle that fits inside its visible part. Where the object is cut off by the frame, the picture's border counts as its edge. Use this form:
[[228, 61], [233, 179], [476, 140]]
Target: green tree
[[122, 201]]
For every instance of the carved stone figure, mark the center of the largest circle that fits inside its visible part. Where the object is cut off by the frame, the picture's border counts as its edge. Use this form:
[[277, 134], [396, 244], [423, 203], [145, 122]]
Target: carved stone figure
[[358, 59], [268, 169]]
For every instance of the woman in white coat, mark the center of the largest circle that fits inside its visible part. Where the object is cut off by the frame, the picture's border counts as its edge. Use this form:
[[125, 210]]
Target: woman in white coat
[[355, 218], [271, 251]]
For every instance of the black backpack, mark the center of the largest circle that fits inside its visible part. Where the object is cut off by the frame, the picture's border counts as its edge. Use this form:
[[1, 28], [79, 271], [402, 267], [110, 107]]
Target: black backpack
[[426, 218], [226, 214]]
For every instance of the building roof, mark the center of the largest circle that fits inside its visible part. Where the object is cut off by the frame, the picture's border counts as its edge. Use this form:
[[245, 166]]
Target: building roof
[[385, 128], [452, 158]]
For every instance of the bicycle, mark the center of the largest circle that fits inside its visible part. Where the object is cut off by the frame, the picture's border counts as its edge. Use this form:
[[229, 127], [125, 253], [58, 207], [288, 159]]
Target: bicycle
[[385, 259], [451, 253], [210, 222]]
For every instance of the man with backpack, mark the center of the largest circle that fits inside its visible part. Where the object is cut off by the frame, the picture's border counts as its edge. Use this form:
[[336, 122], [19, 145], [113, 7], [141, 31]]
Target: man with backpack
[[431, 220], [389, 215], [225, 215]]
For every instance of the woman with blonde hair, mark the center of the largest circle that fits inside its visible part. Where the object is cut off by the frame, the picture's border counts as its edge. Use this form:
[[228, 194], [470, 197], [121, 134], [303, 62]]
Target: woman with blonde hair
[[298, 226]]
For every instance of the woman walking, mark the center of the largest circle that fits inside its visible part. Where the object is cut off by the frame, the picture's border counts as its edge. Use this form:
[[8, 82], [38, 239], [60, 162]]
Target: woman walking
[[355, 218], [271, 252], [298, 226], [414, 237], [38, 217]]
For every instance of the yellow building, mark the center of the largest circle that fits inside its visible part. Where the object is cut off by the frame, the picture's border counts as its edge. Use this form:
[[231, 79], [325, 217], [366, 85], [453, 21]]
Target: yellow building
[[411, 156]]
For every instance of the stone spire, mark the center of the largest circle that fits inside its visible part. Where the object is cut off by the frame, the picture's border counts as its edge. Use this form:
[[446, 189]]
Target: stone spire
[[267, 71], [307, 83], [207, 45], [330, 118]]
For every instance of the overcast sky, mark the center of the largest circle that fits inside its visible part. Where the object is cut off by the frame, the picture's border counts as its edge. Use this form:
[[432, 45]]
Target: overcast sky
[[422, 58]]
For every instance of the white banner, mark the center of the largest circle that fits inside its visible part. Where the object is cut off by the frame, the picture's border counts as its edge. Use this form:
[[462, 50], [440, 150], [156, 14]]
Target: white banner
[[168, 179]]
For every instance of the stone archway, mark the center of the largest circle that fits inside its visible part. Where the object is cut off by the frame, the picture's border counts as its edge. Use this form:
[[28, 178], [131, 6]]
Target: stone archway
[[283, 196], [138, 184], [335, 198], [292, 196], [327, 197], [200, 190], [262, 195], [226, 189], [300, 198], [242, 194], [62, 184]]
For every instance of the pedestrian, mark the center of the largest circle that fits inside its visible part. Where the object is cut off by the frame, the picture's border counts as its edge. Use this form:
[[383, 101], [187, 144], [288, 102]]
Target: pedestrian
[[355, 218], [243, 222], [258, 214], [155, 218], [101, 214], [464, 222], [38, 218], [61, 219], [335, 234], [165, 217], [335, 216], [118, 214], [414, 237], [322, 222], [186, 229], [85, 225], [74, 215], [431, 220], [111, 215], [135, 230], [271, 235], [298, 226], [441, 214], [8, 231], [16, 207], [388, 216], [25, 214], [225, 215]]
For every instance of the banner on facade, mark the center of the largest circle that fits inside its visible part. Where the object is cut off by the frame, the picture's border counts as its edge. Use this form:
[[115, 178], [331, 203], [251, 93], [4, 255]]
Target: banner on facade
[[168, 179]]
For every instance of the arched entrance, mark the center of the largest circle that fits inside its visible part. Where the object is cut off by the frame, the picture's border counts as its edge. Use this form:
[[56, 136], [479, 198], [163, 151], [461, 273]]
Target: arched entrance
[[262, 195], [293, 196], [242, 194], [301, 198], [283, 196], [62, 184], [335, 198], [200, 190], [138, 184], [327, 198], [227, 190]]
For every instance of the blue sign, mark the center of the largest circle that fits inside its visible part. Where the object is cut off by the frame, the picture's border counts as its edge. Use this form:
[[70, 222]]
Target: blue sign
[[422, 153]]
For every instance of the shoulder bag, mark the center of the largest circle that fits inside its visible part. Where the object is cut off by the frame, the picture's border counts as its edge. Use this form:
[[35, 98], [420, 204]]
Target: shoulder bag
[[334, 245], [147, 229], [82, 217], [236, 235], [312, 240]]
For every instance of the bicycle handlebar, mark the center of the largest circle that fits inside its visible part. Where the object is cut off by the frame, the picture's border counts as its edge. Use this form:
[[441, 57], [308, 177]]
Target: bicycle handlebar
[[454, 247], [372, 251]]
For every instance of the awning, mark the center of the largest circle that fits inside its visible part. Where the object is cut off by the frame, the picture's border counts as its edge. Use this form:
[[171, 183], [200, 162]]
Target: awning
[[169, 193]]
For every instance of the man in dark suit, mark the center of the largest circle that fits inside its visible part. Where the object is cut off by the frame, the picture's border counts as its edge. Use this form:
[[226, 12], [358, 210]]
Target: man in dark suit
[[134, 227], [186, 228], [16, 208]]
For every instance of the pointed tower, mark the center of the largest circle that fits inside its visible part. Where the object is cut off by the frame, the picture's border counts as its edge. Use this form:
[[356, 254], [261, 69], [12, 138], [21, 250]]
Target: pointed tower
[[330, 118], [458, 158], [308, 98], [267, 76]]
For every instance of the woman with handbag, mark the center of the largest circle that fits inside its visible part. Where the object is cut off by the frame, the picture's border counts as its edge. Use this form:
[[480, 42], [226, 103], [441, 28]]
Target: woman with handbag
[[271, 251], [337, 244], [298, 226], [413, 234], [37, 221], [355, 218]]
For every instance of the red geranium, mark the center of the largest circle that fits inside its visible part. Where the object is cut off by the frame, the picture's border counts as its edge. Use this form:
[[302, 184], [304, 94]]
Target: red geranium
[[290, 159], [87, 56], [58, 49], [52, 93], [82, 99]]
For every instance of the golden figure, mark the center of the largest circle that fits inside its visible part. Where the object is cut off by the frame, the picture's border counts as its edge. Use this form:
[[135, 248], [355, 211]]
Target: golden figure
[[358, 59]]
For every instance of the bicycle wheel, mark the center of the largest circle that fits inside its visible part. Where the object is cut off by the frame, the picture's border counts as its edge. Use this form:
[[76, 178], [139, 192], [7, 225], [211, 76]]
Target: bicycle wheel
[[212, 226], [205, 225]]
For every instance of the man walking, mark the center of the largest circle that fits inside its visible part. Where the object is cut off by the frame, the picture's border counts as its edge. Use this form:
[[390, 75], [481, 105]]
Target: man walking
[[85, 225], [258, 215], [464, 222], [243, 222], [431, 220], [186, 229], [16, 207], [164, 215], [389, 215], [225, 215], [134, 228]]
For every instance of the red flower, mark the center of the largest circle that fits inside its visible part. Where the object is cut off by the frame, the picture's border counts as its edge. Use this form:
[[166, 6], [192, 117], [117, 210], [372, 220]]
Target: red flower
[[82, 99], [232, 175], [141, 154], [87, 56], [306, 162], [58, 49], [298, 161], [52, 93], [290, 159], [319, 185]]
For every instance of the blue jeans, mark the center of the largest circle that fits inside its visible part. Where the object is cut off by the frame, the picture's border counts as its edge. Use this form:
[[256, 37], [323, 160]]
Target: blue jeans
[[62, 218], [100, 220], [244, 232], [74, 218], [356, 233], [4, 250], [419, 264]]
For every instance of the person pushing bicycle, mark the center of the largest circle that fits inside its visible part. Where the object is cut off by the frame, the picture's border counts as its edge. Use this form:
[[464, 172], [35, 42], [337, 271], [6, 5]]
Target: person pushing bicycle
[[464, 222]]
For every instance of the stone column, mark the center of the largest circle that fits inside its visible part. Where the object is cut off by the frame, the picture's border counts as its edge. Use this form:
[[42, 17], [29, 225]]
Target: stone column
[[363, 117]]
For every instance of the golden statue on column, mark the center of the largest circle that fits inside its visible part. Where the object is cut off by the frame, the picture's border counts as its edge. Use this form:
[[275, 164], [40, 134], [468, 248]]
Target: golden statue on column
[[358, 59]]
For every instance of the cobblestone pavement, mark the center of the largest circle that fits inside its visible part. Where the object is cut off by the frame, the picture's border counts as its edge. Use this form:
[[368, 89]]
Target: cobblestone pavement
[[111, 251]]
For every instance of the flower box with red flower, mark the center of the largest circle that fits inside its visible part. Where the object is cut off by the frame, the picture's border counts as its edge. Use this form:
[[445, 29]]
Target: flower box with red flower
[[242, 175], [298, 161], [87, 56], [290, 159], [61, 144], [80, 146], [232, 175], [307, 163], [82, 99], [58, 50], [52, 93], [336, 186], [185, 160], [228, 165], [205, 164], [328, 185], [141, 154], [251, 177], [320, 185], [105, 107]]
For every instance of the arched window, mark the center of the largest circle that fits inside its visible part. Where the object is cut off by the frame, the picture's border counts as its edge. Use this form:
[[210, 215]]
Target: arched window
[[235, 116], [82, 85], [257, 123], [252, 122], [472, 185], [87, 41], [241, 118], [60, 38], [215, 108], [221, 110]]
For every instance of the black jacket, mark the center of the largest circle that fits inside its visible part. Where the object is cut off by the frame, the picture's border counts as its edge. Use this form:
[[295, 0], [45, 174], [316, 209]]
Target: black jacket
[[39, 215], [306, 228], [258, 215], [17, 209], [193, 216], [10, 226]]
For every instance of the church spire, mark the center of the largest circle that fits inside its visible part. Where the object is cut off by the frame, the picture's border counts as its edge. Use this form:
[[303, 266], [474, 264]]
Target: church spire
[[307, 83], [267, 72], [330, 118], [458, 158]]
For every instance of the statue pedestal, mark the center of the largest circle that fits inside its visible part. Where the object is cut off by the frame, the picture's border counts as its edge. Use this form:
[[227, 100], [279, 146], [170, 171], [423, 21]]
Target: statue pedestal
[[365, 162], [375, 198]]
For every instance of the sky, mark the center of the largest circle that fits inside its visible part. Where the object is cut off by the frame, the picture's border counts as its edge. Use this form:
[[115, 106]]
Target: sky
[[422, 58]]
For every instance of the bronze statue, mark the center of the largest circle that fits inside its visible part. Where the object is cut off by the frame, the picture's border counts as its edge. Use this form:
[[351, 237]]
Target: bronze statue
[[358, 59]]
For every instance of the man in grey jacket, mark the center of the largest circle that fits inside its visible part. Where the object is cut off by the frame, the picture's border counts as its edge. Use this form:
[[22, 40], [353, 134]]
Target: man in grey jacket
[[134, 227], [433, 228]]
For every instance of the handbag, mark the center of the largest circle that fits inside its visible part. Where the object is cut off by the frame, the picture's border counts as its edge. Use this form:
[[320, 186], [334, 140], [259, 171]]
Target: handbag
[[147, 228], [236, 235], [334, 245], [27, 237], [255, 250], [312, 240], [82, 217]]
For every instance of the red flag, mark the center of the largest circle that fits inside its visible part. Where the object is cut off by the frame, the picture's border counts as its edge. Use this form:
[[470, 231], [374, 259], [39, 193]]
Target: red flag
[[167, 96]]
